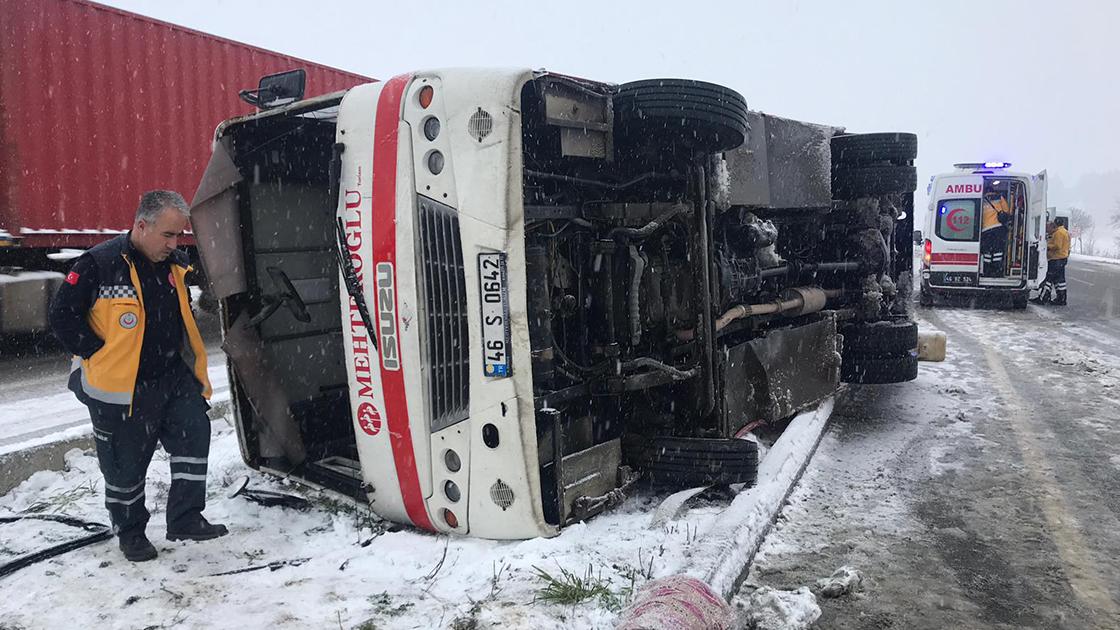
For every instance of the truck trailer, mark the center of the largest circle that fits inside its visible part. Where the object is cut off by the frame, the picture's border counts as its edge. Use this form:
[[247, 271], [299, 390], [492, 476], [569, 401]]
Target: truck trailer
[[98, 105], [488, 301]]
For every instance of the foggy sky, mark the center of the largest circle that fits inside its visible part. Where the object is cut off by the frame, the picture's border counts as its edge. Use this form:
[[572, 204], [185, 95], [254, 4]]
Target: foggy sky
[[1033, 83]]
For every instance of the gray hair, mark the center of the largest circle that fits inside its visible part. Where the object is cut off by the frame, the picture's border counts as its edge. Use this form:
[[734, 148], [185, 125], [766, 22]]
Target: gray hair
[[152, 203]]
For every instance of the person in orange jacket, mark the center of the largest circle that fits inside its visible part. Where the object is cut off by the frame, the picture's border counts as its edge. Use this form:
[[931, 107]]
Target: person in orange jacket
[[1057, 254], [993, 234]]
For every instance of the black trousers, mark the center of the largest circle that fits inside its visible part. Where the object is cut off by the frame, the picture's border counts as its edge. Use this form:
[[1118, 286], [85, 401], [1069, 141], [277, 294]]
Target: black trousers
[[993, 245], [1056, 278], [168, 410]]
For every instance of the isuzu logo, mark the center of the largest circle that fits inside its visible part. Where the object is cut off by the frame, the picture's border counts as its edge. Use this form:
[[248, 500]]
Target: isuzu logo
[[387, 317], [957, 189]]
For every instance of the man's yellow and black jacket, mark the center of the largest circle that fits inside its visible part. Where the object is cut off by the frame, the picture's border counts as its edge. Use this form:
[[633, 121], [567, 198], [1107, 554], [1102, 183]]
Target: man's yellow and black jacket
[[98, 315]]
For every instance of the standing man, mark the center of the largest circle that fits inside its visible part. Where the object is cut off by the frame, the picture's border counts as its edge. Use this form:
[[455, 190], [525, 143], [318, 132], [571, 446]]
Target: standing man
[[993, 234], [140, 367], [1057, 255]]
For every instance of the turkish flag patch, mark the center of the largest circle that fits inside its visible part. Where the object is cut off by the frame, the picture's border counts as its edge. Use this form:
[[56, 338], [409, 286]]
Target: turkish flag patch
[[72, 278]]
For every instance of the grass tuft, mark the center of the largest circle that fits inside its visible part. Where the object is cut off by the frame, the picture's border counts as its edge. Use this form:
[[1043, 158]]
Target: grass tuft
[[570, 588]]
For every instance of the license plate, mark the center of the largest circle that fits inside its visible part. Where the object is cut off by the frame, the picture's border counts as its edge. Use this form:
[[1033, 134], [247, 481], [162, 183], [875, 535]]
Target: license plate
[[958, 278], [495, 314]]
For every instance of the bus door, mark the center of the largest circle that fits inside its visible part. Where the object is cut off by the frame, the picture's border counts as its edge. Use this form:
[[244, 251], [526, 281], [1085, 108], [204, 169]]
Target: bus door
[[1036, 229]]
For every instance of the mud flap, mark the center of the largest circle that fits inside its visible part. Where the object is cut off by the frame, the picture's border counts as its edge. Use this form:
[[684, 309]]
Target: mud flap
[[276, 428], [776, 376]]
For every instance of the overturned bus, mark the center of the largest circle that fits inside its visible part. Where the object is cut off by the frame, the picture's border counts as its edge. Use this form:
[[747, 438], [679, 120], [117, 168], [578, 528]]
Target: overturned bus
[[485, 302]]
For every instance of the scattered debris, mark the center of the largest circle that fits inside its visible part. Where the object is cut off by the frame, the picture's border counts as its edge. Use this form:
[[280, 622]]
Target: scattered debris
[[271, 566], [845, 580]]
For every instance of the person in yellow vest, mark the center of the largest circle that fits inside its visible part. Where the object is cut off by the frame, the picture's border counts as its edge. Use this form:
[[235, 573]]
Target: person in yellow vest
[[993, 234], [140, 368], [1057, 255]]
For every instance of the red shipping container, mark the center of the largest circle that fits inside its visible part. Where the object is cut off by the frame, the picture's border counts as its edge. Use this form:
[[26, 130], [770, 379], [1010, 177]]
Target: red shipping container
[[98, 105]]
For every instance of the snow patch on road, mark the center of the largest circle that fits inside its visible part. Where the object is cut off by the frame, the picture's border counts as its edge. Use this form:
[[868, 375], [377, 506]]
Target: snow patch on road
[[766, 608]]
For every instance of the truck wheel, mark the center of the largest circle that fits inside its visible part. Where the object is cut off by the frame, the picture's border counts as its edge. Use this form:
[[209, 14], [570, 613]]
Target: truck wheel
[[873, 181], [878, 370], [691, 462], [866, 149], [881, 339], [693, 114]]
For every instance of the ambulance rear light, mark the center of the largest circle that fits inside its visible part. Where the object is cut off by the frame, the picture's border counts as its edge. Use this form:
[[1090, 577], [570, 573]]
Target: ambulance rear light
[[928, 253]]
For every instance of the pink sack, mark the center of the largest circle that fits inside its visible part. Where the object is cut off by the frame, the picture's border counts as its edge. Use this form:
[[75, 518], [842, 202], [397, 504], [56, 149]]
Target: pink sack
[[677, 602]]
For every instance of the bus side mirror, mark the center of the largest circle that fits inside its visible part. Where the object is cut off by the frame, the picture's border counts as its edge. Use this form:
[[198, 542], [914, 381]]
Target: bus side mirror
[[918, 240], [275, 90]]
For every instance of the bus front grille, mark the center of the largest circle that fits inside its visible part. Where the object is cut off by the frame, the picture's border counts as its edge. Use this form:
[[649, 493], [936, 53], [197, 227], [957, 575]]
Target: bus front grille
[[447, 364]]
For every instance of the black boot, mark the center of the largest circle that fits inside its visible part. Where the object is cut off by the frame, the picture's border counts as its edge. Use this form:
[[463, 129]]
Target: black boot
[[196, 528], [1061, 299], [136, 546]]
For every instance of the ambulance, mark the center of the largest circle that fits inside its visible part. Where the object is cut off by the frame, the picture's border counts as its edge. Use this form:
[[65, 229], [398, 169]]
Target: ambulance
[[964, 257]]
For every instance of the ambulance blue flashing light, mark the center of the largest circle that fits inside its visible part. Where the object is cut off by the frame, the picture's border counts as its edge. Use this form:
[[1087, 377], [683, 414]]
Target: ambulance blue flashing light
[[997, 164]]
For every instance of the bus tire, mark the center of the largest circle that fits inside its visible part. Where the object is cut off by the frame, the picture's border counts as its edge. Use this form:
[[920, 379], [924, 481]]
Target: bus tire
[[867, 149], [873, 181], [691, 114], [870, 370], [684, 462], [881, 339]]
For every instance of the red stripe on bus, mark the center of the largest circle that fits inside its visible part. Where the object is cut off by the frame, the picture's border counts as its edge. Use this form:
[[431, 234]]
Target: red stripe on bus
[[954, 259], [385, 250]]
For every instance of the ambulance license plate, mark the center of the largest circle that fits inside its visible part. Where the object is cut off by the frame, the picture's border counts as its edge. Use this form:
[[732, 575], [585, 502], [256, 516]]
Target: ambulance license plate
[[495, 314]]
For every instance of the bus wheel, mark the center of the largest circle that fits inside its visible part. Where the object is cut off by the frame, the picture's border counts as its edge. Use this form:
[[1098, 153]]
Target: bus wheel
[[678, 112], [878, 370], [872, 181], [881, 339], [866, 149], [683, 462]]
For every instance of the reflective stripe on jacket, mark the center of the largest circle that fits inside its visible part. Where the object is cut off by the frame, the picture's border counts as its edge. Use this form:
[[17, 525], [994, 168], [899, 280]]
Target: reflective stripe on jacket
[[1057, 244], [117, 317]]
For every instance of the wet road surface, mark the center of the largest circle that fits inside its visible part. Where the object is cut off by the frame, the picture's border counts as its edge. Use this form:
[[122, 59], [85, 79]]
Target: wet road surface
[[986, 494]]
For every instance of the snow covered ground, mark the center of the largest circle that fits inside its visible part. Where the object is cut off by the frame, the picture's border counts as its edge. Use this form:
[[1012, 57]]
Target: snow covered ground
[[330, 566], [1100, 259]]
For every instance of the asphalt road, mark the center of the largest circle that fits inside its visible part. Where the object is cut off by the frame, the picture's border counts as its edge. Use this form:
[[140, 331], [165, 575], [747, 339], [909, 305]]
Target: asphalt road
[[1094, 302], [986, 494]]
